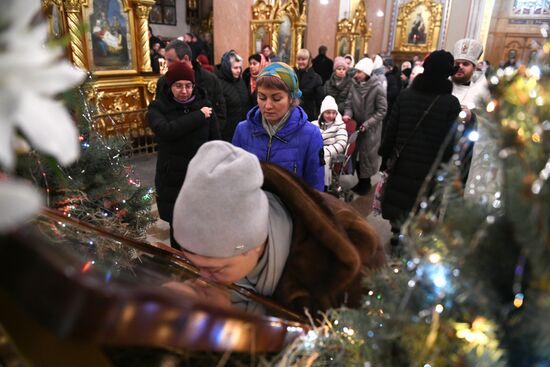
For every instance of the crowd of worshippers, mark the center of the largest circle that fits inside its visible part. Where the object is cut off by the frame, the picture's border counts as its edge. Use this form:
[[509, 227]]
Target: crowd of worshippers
[[243, 155]]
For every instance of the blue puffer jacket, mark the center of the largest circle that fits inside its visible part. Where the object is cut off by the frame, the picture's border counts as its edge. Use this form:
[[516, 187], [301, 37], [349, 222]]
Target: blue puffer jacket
[[297, 147]]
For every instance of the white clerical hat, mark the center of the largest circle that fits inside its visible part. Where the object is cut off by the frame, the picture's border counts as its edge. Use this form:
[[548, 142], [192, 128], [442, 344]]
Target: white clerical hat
[[468, 49]]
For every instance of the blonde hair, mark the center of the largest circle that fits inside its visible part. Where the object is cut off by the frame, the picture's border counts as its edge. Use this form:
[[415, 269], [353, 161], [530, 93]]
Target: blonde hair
[[303, 53]]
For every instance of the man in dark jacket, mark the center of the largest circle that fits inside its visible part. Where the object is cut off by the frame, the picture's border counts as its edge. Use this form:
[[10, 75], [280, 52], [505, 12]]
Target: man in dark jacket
[[179, 51], [322, 64], [265, 232]]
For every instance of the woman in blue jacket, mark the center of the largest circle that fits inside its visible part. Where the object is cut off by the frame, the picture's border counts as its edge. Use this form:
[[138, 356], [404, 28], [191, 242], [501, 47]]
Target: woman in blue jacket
[[278, 130]]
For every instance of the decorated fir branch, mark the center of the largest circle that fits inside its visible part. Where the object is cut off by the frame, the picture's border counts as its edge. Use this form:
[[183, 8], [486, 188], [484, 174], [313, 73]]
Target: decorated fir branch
[[31, 115], [473, 286], [100, 188]]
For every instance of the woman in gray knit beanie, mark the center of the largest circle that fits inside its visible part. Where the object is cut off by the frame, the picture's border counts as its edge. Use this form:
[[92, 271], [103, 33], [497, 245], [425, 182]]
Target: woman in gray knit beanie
[[258, 226]]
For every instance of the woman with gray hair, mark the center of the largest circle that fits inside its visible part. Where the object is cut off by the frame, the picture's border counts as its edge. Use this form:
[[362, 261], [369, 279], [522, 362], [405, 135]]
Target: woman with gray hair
[[311, 84], [234, 91]]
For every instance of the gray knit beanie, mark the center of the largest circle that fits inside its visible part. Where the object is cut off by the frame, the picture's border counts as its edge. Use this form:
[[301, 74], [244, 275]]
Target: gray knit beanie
[[221, 210]]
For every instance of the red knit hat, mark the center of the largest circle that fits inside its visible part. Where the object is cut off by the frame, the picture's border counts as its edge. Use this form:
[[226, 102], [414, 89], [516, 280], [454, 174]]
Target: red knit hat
[[179, 71]]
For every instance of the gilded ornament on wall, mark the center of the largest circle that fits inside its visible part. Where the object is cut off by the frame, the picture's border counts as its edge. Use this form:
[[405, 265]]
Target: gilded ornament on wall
[[353, 35], [115, 49], [280, 24]]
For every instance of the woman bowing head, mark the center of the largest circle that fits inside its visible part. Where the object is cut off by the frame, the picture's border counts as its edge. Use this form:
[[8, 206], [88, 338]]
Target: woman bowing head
[[278, 130]]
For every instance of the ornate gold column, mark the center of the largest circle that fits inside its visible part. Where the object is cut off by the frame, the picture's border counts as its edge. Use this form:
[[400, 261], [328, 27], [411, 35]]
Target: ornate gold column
[[73, 9], [142, 8]]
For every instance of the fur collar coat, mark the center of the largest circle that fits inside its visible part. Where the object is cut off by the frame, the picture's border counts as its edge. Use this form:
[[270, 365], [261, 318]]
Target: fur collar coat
[[332, 247]]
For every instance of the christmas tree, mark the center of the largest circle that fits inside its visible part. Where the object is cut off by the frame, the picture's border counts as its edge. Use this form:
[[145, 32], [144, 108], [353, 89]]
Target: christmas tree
[[99, 188], [473, 285]]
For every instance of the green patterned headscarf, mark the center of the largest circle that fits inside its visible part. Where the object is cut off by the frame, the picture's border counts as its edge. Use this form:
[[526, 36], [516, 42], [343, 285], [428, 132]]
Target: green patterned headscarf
[[286, 74]]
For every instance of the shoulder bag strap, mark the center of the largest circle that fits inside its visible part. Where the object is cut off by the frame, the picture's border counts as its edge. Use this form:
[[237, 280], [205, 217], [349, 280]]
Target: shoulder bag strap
[[398, 151]]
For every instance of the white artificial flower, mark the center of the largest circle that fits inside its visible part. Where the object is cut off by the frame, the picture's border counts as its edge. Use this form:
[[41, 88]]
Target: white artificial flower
[[19, 202], [31, 75]]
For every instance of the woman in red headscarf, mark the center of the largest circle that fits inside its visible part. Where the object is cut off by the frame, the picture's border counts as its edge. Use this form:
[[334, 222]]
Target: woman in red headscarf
[[257, 62]]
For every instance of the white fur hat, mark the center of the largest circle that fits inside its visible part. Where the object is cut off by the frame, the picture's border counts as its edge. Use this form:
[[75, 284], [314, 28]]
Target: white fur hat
[[467, 49], [365, 65], [221, 210]]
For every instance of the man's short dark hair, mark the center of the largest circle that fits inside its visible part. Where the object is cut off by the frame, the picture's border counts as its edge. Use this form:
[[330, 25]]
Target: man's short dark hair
[[181, 49], [323, 50], [267, 46]]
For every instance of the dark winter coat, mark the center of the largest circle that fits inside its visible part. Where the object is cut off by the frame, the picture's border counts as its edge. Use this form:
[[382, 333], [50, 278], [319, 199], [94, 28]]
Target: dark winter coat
[[418, 155], [297, 147], [367, 105], [252, 96], [393, 78], [180, 130], [237, 102], [338, 90], [311, 85], [323, 66], [209, 83], [333, 247], [155, 63]]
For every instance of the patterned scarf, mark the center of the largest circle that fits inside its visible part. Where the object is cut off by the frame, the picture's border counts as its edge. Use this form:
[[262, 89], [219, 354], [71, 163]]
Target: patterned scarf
[[286, 74]]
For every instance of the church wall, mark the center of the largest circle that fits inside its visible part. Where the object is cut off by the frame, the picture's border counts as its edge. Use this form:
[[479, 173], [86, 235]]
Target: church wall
[[388, 33], [232, 28], [321, 28], [377, 42], [460, 14]]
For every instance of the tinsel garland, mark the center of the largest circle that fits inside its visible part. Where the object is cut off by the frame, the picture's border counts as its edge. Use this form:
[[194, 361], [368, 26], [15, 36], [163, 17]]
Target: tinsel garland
[[100, 188]]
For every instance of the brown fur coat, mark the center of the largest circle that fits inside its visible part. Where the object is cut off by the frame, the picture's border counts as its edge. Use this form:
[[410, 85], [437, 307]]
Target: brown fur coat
[[332, 248]]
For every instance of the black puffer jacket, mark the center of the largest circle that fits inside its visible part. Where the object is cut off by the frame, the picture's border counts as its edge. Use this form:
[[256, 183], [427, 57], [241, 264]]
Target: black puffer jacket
[[418, 155], [180, 130], [338, 89], [237, 101], [311, 86]]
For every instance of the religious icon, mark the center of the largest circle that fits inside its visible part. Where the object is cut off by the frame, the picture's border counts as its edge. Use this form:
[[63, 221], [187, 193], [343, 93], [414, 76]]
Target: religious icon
[[418, 25], [417, 34], [156, 15], [343, 46], [284, 40], [260, 39], [109, 35], [170, 16], [56, 25]]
